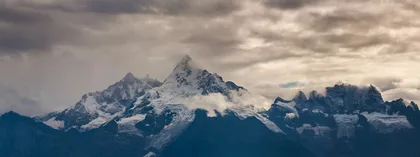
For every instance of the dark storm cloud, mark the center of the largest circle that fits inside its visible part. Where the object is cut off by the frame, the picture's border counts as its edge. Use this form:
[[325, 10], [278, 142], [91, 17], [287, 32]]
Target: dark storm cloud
[[115, 7], [21, 16], [19, 30], [329, 43], [328, 32], [356, 42], [216, 40], [289, 4], [343, 18], [357, 31], [38, 27], [165, 7], [24, 29], [262, 57], [272, 41], [411, 5]]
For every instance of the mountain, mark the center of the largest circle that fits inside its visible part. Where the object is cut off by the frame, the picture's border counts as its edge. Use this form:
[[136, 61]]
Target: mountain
[[143, 117], [194, 112], [349, 121], [164, 112], [22, 136], [97, 108], [159, 112], [229, 136]]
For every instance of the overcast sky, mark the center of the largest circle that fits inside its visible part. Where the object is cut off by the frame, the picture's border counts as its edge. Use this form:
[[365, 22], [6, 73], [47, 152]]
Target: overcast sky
[[54, 51]]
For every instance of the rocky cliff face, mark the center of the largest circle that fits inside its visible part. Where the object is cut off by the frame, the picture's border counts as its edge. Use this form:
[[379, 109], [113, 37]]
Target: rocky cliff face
[[144, 117], [95, 109], [336, 123], [155, 111]]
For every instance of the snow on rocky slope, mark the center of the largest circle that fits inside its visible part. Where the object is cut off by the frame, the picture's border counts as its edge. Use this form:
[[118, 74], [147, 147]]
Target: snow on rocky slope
[[146, 107], [160, 112], [384, 123], [95, 109], [188, 88], [340, 109]]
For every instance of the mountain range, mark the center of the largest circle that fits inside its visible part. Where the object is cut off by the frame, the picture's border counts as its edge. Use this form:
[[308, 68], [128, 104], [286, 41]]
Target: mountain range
[[195, 113]]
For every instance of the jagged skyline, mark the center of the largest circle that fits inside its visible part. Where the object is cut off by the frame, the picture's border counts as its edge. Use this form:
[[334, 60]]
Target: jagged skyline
[[54, 51]]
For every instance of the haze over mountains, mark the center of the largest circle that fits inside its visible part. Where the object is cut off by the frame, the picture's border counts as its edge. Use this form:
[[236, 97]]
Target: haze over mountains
[[275, 92], [197, 113], [83, 46]]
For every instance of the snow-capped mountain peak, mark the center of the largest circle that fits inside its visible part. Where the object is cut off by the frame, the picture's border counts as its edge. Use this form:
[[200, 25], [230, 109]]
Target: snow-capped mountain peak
[[129, 88], [166, 110], [184, 73], [159, 111], [185, 81], [184, 63], [300, 96], [413, 106], [97, 108], [129, 77], [187, 78]]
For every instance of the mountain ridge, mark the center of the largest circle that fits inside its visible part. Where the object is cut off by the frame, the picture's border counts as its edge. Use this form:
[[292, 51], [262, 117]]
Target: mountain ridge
[[157, 115], [101, 105]]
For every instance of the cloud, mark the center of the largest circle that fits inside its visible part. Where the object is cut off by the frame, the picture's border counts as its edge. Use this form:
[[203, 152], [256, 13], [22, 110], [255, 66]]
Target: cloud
[[11, 100], [288, 4], [218, 102], [20, 29], [161, 7], [25, 29], [85, 45], [293, 84], [384, 84], [21, 16], [409, 94]]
